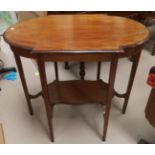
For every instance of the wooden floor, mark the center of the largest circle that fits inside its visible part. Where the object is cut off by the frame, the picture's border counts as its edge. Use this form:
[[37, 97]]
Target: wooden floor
[[1, 135]]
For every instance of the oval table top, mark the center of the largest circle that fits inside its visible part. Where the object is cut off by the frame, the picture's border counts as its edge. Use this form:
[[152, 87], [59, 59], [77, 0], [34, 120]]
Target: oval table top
[[76, 33]]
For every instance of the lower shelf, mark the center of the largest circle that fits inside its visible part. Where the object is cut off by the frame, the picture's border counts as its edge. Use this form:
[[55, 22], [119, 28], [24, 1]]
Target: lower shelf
[[77, 92]]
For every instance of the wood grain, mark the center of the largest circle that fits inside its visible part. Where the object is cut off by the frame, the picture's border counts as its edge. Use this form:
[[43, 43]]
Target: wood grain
[[78, 92], [76, 33]]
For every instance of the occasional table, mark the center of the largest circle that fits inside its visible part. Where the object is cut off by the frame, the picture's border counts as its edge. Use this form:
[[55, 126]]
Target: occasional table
[[81, 38]]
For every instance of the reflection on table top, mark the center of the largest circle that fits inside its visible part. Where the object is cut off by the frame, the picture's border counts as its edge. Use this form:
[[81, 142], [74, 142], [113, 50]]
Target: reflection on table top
[[76, 32]]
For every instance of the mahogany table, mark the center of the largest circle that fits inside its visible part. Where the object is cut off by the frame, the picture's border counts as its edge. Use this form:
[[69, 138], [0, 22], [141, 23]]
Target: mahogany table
[[81, 38]]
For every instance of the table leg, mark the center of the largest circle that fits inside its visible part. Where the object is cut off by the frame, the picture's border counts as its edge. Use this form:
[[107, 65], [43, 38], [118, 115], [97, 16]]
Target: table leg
[[98, 70], [22, 76], [56, 71], [43, 79], [66, 65], [132, 76], [82, 70], [106, 109], [153, 50]]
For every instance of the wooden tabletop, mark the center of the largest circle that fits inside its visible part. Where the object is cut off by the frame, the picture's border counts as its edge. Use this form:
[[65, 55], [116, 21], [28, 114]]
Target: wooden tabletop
[[76, 33]]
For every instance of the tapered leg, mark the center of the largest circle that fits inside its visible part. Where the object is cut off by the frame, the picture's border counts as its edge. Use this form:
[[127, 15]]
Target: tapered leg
[[66, 65], [98, 70], [153, 50], [82, 70], [106, 109], [22, 76], [42, 72], [132, 76], [56, 71]]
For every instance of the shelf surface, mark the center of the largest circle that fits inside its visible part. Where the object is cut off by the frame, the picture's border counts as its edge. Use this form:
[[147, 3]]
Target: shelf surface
[[78, 92]]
